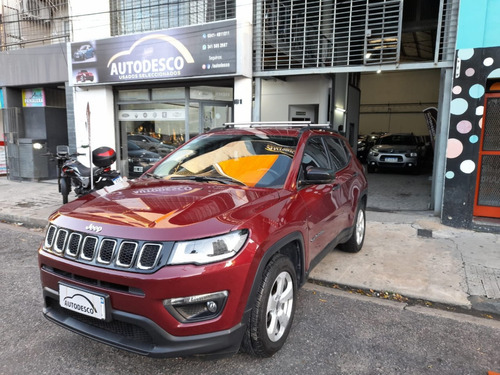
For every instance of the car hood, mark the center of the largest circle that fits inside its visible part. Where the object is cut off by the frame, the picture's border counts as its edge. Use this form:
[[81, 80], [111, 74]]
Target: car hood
[[159, 210], [394, 149]]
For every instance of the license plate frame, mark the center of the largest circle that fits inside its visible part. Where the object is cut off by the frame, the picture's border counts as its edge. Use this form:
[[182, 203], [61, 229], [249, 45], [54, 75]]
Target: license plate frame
[[391, 160], [85, 302]]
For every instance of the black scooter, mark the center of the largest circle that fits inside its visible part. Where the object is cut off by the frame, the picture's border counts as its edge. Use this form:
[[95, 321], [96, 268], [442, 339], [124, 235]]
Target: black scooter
[[72, 173]]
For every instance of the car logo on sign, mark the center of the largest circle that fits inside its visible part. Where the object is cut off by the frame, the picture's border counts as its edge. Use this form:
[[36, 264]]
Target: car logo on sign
[[93, 228]]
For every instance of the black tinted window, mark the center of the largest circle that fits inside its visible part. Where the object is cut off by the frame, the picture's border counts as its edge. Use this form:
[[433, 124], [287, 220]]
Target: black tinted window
[[338, 153], [398, 140], [315, 154]]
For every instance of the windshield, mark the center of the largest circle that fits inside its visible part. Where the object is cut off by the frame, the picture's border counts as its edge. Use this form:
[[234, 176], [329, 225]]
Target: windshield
[[399, 140], [250, 160]]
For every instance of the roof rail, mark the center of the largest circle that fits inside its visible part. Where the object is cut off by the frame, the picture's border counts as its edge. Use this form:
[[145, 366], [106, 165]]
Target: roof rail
[[274, 124]]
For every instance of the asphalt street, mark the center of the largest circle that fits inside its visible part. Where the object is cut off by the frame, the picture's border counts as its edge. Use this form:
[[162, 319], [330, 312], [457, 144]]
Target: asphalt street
[[334, 332]]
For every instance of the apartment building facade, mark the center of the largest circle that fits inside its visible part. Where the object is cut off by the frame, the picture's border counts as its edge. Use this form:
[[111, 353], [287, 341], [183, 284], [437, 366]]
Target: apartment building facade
[[173, 69]]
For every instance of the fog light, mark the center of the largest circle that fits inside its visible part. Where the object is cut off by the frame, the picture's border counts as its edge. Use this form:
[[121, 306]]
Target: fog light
[[212, 306], [196, 308]]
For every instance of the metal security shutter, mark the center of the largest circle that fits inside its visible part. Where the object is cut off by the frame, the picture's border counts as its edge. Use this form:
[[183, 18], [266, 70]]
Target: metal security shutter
[[487, 202], [323, 35], [383, 32]]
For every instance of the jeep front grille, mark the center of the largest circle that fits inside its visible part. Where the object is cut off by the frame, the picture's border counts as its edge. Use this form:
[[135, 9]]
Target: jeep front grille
[[126, 254], [106, 251], [60, 241], [73, 244], [88, 248], [102, 251], [148, 256]]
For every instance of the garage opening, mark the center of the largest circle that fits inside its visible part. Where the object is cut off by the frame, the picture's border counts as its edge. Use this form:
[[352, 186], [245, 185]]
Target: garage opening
[[395, 141]]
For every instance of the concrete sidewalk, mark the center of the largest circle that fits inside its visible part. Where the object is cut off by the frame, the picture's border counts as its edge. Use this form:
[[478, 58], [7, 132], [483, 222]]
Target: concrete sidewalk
[[405, 254]]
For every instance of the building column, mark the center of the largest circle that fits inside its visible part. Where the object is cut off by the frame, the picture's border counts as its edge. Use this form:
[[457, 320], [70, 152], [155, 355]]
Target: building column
[[442, 130], [243, 85], [94, 115], [243, 99]]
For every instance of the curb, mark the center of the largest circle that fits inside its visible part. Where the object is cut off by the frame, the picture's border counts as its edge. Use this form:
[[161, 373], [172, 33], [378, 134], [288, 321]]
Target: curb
[[488, 305], [22, 220], [480, 306]]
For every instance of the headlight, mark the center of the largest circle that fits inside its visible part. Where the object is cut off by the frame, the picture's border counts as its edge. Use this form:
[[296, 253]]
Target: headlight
[[208, 250], [413, 154]]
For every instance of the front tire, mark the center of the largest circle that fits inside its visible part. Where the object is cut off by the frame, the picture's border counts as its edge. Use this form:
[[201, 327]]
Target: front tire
[[274, 309], [355, 242], [65, 188]]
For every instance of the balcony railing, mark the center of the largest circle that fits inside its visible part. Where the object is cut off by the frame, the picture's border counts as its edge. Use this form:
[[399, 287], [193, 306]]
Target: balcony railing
[[33, 23]]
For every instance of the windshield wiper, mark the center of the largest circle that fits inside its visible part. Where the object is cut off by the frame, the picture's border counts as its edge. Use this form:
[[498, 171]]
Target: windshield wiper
[[207, 179], [154, 176]]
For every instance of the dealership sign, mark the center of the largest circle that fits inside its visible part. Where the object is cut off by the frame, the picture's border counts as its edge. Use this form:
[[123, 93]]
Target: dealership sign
[[192, 51]]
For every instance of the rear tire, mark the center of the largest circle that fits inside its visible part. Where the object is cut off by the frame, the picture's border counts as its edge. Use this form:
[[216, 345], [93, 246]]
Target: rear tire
[[272, 315], [355, 242]]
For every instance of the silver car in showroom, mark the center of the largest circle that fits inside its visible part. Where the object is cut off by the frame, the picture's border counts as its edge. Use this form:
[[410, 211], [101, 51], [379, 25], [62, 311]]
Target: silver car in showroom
[[396, 151]]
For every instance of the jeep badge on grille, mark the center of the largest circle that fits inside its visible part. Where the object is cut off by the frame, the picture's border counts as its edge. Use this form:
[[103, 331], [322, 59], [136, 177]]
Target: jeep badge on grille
[[93, 228]]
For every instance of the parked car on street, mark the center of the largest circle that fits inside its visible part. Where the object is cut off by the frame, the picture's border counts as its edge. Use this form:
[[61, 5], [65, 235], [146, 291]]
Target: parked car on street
[[85, 52], [151, 144], [84, 75], [204, 253], [397, 151], [140, 160]]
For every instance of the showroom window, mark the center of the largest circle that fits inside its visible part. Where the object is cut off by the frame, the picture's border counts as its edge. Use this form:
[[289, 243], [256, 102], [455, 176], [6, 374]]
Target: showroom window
[[159, 120]]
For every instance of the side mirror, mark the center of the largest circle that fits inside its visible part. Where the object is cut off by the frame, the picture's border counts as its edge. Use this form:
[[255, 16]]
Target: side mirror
[[314, 175]]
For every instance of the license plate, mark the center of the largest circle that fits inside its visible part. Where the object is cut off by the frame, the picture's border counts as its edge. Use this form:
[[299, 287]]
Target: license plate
[[138, 169], [391, 160], [83, 302]]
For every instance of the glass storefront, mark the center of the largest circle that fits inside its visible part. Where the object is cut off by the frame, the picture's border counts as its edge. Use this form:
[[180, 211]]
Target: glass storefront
[[160, 119]]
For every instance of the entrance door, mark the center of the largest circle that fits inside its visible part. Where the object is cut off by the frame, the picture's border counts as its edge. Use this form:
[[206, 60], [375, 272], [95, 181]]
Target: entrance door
[[214, 115], [487, 202]]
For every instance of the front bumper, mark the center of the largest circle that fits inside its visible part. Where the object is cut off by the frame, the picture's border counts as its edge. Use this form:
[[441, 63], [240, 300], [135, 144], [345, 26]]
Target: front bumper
[[392, 161], [137, 318], [141, 335]]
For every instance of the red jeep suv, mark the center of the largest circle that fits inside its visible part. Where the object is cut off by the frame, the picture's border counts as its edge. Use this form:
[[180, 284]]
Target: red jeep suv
[[204, 253]]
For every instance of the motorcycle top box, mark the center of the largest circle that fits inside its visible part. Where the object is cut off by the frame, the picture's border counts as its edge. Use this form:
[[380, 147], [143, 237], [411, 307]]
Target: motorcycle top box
[[103, 157]]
